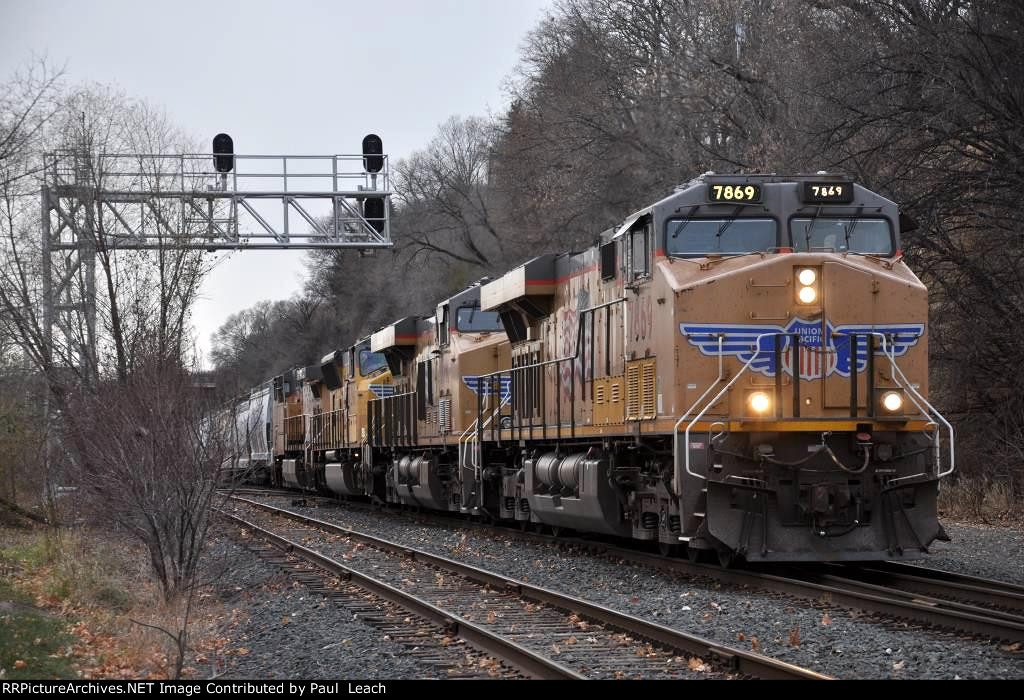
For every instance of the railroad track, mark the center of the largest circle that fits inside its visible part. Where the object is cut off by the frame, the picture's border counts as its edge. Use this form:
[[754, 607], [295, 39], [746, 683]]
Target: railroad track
[[542, 633], [988, 609], [421, 638]]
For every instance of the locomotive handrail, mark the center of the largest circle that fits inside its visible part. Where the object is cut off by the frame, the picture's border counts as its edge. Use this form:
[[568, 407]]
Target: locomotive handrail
[[470, 437], [675, 428], [522, 369], [718, 396], [397, 420], [891, 354], [906, 385]]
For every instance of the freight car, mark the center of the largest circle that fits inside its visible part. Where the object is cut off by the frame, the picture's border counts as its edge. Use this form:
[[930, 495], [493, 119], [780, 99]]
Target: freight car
[[740, 369]]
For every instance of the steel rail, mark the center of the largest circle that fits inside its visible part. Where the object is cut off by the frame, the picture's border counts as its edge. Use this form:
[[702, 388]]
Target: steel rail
[[841, 592], [518, 656], [978, 592], [738, 660]]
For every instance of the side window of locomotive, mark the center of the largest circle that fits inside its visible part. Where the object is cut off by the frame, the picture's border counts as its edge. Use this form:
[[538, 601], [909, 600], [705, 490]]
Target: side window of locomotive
[[861, 236], [470, 319], [694, 238], [351, 362], [608, 261], [371, 362]]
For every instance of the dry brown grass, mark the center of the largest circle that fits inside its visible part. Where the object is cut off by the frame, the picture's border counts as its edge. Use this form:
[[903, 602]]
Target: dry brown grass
[[98, 583], [981, 500]]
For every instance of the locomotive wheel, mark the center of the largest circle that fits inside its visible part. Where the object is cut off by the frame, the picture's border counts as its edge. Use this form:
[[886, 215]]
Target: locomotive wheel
[[556, 531], [726, 558]]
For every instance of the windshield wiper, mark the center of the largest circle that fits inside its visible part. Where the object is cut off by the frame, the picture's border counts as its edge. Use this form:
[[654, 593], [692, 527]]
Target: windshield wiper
[[848, 231], [810, 227], [689, 218], [726, 224]]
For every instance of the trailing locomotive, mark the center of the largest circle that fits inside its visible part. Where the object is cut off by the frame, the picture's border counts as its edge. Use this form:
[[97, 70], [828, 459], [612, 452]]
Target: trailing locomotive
[[740, 369]]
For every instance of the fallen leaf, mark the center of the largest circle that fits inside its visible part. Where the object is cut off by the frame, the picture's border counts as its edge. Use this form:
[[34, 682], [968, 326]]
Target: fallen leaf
[[555, 649], [826, 620], [754, 644], [741, 637], [242, 651], [696, 665], [898, 666], [491, 617], [570, 641], [285, 620], [1012, 648], [794, 637], [20, 664]]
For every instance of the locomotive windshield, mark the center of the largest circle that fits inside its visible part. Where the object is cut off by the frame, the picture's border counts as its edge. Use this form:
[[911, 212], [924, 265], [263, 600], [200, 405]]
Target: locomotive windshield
[[371, 362], [700, 237], [862, 236], [473, 320]]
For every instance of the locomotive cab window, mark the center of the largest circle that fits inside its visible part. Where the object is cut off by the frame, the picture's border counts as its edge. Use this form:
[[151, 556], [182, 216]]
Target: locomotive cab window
[[860, 236], [694, 238], [371, 362], [470, 319]]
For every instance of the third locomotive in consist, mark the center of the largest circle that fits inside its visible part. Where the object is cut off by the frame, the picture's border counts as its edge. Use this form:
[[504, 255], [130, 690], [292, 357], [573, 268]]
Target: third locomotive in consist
[[740, 369]]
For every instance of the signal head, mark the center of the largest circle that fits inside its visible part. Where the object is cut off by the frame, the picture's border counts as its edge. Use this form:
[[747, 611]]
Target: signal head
[[223, 153], [373, 153]]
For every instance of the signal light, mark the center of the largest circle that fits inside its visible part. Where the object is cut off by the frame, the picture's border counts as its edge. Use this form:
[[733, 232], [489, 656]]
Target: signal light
[[373, 153], [223, 153], [373, 212]]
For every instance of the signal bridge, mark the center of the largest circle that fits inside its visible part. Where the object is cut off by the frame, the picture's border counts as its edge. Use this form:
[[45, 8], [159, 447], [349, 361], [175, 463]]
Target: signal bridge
[[104, 203], [153, 201]]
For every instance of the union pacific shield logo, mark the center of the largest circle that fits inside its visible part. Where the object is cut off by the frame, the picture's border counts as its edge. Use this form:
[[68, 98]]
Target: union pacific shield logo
[[489, 385], [820, 355], [382, 390]]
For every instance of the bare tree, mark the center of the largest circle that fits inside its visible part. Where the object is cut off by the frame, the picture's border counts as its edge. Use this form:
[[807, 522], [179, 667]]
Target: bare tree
[[148, 453]]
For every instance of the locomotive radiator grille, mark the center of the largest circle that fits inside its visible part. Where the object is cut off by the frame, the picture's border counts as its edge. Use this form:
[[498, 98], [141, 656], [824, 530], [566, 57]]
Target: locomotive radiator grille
[[641, 390]]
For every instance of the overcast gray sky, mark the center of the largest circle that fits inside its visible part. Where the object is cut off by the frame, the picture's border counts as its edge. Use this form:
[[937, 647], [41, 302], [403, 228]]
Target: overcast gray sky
[[302, 77]]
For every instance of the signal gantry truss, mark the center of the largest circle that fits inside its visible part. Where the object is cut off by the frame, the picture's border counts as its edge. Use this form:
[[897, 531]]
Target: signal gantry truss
[[153, 201]]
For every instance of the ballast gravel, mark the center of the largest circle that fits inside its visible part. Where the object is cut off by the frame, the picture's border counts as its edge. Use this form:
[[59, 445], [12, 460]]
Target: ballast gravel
[[829, 640], [280, 630], [989, 552]]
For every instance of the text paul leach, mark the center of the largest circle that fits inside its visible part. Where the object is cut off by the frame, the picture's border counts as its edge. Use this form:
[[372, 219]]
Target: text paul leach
[[191, 689]]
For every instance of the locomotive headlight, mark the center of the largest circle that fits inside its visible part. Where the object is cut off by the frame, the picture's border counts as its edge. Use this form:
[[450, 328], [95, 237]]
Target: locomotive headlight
[[760, 402], [806, 279], [807, 295], [892, 401]]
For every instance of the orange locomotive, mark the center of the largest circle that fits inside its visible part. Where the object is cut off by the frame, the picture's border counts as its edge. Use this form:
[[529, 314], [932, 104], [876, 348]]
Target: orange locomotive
[[740, 368]]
